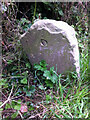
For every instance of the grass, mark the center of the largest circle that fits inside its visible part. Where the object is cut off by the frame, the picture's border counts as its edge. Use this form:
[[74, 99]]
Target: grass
[[61, 96], [70, 102], [73, 105]]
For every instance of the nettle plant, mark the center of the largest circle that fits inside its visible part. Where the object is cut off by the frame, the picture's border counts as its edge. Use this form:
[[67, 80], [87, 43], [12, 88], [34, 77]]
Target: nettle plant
[[43, 75]]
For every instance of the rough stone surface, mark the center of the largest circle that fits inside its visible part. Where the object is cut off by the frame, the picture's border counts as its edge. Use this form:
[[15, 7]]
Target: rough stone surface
[[54, 42]]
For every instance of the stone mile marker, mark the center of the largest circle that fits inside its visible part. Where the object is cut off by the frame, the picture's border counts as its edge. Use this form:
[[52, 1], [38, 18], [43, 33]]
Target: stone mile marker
[[52, 41]]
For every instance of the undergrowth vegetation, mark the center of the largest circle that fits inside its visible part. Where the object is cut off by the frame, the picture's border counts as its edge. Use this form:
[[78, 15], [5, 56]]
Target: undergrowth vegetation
[[35, 92]]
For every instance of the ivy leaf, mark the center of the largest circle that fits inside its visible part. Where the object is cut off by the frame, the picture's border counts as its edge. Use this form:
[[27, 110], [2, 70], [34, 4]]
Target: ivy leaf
[[25, 73], [0, 103], [31, 108], [7, 106], [17, 107], [13, 103], [54, 78], [3, 82], [24, 81], [61, 12], [49, 83], [38, 67], [28, 65], [32, 88], [24, 20], [42, 87], [19, 101], [48, 97], [29, 25], [47, 74], [52, 69], [42, 66], [14, 115], [1, 109], [28, 93], [43, 69], [43, 63]]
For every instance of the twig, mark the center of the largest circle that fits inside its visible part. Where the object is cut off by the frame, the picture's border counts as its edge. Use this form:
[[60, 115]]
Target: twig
[[31, 117], [20, 115], [17, 96], [11, 91], [3, 94], [9, 98]]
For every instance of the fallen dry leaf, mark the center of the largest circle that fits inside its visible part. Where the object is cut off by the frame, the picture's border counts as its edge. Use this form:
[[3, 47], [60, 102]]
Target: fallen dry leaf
[[23, 108]]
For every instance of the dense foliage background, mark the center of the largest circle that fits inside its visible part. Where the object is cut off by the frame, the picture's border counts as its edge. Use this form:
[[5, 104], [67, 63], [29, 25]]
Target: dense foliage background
[[33, 92]]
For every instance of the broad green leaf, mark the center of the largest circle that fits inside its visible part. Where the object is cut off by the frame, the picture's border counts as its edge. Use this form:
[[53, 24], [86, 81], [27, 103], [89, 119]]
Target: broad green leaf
[[54, 78], [25, 73], [0, 103], [38, 67], [42, 87], [17, 107], [81, 45], [19, 101], [14, 115], [43, 69], [29, 25], [28, 93], [32, 88], [24, 20], [49, 83], [31, 108], [1, 109], [48, 97], [28, 65], [3, 81], [13, 103], [52, 69], [61, 12], [24, 81], [9, 61], [43, 63], [7, 106], [47, 74]]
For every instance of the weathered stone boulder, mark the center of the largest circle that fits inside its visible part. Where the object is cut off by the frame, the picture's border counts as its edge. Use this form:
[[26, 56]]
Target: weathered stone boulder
[[54, 42]]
